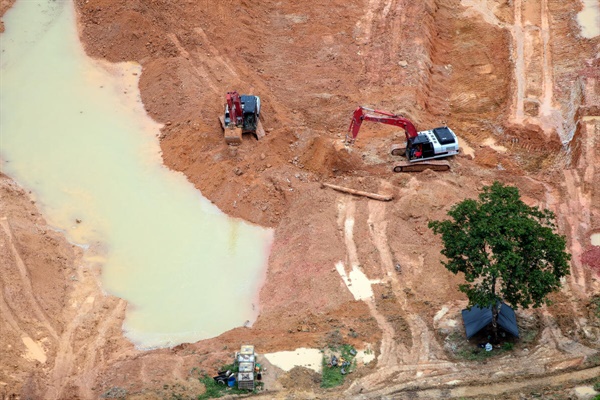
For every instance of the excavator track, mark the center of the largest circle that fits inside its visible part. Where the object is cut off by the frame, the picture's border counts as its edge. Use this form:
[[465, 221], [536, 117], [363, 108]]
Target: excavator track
[[422, 166]]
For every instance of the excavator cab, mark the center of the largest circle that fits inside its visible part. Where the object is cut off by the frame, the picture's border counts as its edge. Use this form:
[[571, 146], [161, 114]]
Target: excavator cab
[[251, 111], [419, 147]]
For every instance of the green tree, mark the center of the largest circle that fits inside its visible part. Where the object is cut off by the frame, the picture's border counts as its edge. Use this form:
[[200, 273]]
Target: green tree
[[507, 250]]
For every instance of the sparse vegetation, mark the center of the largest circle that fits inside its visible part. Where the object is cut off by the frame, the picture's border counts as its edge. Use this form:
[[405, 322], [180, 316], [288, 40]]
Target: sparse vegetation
[[595, 303], [332, 375], [508, 346], [334, 339], [592, 360], [475, 354], [215, 390], [470, 350], [115, 393], [528, 336]]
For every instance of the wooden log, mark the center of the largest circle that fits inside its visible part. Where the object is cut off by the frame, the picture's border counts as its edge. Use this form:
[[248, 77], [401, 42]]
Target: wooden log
[[375, 196]]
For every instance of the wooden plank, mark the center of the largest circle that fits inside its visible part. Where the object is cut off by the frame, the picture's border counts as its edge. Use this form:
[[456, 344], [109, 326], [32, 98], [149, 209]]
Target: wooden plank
[[375, 196]]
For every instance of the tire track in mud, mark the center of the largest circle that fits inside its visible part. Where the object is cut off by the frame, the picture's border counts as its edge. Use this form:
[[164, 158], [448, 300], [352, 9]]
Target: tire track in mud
[[35, 350], [64, 361], [425, 352], [533, 94], [93, 352], [548, 75], [577, 206], [379, 17], [387, 356], [394, 358], [519, 62], [83, 302], [500, 388], [422, 337], [533, 74], [27, 290]]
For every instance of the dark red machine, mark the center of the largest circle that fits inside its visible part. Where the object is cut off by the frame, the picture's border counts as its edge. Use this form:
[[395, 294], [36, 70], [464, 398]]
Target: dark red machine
[[420, 146], [242, 115], [384, 117]]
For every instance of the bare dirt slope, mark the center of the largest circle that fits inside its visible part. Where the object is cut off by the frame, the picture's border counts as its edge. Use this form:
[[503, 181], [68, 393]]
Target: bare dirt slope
[[513, 79]]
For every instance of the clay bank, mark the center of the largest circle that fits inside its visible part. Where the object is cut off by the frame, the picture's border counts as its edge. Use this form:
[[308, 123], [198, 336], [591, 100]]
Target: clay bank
[[74, 133]]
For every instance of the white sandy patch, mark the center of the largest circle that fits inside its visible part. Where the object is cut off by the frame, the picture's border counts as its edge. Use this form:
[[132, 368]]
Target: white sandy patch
[[595, 238], [588, 118], [440, 313], [302, 357], [356, 281], [34, 350], [466, 149], [365, 356], [490, 142], [589, 19]]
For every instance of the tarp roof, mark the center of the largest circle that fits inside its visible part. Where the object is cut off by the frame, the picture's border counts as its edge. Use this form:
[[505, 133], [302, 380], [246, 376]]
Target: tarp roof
[[478, 318]]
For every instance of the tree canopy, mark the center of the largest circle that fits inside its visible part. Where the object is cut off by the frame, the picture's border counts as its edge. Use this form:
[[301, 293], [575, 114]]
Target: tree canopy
[[506, 249]]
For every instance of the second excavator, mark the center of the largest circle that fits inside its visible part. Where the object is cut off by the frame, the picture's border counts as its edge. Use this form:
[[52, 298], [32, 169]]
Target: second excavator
[[242, 115], [421, 149]]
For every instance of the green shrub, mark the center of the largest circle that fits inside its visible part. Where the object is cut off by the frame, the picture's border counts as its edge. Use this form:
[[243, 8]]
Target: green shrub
[[215, 390], [508, 346], [476, 354], [332, 376]]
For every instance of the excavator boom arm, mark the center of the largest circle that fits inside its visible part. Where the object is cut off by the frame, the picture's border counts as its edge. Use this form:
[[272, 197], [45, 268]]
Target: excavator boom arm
[[383, 117], [235, 108]]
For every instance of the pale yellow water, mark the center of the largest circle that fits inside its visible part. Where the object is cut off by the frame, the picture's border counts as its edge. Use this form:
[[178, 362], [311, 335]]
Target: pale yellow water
[[595, 239], [87, 150], [301, 357]]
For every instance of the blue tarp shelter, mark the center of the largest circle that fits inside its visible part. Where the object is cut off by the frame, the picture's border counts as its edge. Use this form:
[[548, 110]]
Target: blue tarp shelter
[[478, 318]]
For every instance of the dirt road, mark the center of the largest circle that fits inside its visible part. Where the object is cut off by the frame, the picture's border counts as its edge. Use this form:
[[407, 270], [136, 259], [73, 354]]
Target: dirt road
[[515, 80]]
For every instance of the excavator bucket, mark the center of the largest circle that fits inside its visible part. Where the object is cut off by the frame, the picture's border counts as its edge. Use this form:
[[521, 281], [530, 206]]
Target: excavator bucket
[[233, 136]]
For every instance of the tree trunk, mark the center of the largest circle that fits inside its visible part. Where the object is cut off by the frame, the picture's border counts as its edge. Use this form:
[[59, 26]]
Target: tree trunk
[[495, 311]]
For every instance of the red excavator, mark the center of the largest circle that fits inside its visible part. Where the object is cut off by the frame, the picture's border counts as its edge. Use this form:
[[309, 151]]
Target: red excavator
[[242, 115], [421, 147]]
